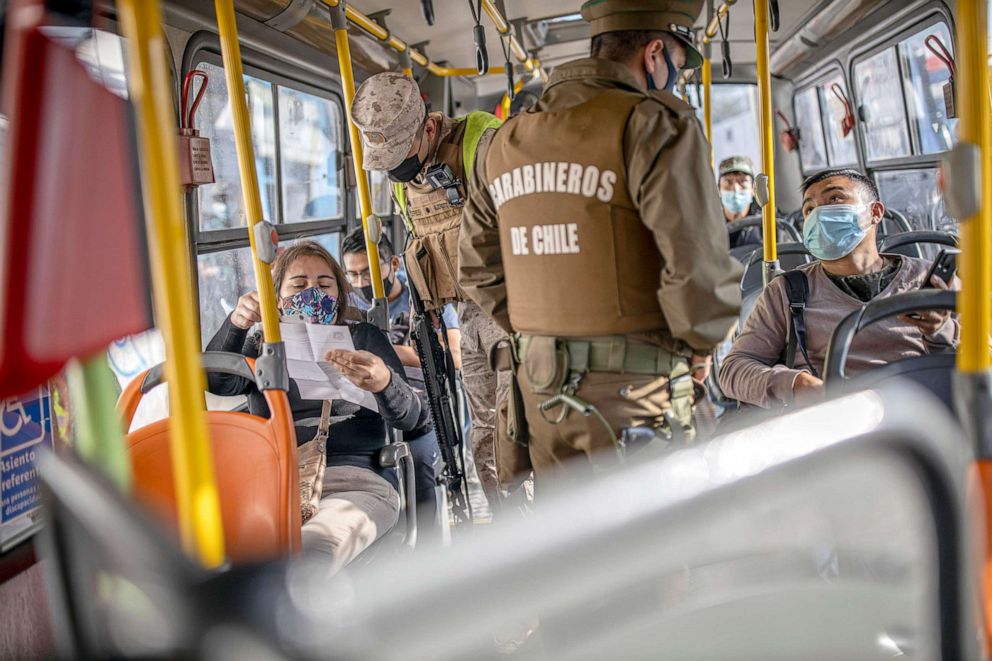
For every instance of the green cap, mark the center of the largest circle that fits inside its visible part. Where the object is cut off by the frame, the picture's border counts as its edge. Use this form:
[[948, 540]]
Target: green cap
[[673, 16], [736, 164]]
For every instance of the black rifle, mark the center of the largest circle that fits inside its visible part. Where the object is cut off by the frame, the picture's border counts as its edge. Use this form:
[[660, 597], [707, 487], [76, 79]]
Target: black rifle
[[441, 383]]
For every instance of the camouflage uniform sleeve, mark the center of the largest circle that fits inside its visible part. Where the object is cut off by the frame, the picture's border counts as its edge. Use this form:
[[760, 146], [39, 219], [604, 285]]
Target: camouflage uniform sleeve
[[480, 262], [672, 183]]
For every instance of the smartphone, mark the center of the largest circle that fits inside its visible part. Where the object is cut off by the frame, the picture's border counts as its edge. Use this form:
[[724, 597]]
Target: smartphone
[[943, 267]]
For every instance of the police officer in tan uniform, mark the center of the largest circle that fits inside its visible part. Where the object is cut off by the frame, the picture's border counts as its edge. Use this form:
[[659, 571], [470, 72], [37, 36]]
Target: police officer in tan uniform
[[594, 232], [429, 157]]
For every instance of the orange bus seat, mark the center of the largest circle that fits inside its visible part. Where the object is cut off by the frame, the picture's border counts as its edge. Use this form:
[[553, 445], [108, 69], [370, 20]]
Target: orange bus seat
[[255, 460]]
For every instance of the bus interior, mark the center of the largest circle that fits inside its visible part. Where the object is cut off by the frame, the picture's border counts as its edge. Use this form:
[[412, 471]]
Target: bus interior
[[851, 529]]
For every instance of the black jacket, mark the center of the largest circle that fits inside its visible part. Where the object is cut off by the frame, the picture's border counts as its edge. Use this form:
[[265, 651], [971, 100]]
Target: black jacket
[[356, 433]]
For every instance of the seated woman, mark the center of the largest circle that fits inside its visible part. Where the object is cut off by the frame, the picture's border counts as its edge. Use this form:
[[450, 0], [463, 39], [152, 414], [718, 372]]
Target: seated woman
[[360, 500]]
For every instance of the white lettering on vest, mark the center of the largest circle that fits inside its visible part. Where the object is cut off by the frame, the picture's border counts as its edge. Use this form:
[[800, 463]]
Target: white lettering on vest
[[574, 179], [605, 192], [528, 171], [549, 177], [560, 179], [590, 181], [518, 184], [553, 177], [561, 239], [518, 239], [495, 192]]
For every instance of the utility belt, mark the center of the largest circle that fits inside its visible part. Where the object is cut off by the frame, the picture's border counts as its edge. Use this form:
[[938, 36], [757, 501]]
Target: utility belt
[[554, 366]]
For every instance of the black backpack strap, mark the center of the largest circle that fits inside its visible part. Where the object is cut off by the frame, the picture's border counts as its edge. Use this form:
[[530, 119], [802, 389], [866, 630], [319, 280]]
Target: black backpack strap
[[797, 289]]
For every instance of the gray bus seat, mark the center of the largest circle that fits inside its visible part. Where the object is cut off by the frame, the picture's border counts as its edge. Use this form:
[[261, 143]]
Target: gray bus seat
[[842, 541], [932, 371], [790, 256], [786, 232], [918, 243]]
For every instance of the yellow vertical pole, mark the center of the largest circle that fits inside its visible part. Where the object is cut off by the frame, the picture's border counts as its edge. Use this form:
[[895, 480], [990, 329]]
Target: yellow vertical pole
[[767, 139], [227, 27], [973, 382], [151, 92], [975, 264], [340, 24], [707, 75], [708, 101]]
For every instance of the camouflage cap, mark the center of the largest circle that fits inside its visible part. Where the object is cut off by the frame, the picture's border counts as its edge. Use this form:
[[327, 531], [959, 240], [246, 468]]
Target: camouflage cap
[[388, 111], [736, 164], [676, 17]]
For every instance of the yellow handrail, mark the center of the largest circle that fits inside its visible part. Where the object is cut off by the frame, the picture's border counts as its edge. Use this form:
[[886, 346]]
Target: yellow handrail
[[200, 526], [227, 28], [499, 22], [714, 24], [378, 32], [708, 34], [507, 101], [972, 84], [767, 137], [364, 196]]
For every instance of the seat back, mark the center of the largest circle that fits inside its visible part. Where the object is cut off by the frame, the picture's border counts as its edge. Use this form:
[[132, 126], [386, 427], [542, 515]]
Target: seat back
[[918, 243], [786, 230], [254, 458], [933, 371], [894, 222], [790, 255]]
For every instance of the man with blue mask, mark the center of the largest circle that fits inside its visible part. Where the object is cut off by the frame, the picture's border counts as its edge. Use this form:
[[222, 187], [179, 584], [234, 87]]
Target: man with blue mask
[[737, 197], [737, 188], [842, 211]]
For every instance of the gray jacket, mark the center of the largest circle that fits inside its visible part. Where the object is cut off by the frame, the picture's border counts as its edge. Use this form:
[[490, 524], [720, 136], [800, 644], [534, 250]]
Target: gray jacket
[[751, 372]]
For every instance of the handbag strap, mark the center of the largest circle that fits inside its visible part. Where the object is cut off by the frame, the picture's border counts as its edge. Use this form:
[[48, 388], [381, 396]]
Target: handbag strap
[[325, 419]]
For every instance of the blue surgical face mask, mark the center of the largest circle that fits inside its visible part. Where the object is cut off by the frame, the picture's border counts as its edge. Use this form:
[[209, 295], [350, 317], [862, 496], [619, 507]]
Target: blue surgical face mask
[[735, 201], [833, 231]]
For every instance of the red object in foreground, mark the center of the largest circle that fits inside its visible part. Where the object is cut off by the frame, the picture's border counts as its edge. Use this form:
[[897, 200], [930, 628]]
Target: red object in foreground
[[73, 273]]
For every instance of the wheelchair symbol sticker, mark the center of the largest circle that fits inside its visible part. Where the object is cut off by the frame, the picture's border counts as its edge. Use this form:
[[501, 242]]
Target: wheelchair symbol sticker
[[25, 425]]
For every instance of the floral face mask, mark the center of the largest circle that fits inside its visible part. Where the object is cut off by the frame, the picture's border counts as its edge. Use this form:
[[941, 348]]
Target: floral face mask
[[312, 305]]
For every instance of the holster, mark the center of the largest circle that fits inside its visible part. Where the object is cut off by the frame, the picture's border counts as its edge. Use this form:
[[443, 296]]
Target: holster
[[503, 357]]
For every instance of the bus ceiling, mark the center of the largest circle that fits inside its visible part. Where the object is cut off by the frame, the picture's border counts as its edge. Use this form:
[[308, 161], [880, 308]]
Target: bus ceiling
[[546, 32]]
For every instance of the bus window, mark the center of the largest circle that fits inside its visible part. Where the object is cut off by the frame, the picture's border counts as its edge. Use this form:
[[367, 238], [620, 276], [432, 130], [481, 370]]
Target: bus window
[[220, 203], [915, 193], [877, 82], [380, 188], [735, 114], [310, 137], [933, 132], [103, 55], [812, 150], [840, 148], [332, 242], [222, 277]]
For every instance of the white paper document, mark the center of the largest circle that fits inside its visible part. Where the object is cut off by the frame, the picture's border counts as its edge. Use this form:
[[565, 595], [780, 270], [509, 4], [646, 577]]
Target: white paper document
[[306, 346]]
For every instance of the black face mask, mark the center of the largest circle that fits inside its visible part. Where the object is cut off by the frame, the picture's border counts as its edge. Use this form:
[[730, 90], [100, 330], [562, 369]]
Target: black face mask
[[368, 294], [407, 170], [672, 73]]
